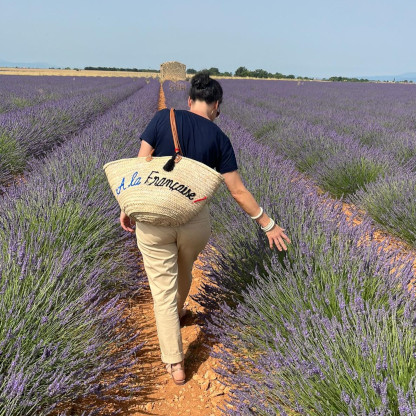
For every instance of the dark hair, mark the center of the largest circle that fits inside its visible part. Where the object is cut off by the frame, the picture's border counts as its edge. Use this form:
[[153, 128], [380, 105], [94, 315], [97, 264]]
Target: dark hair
[[205, 88]]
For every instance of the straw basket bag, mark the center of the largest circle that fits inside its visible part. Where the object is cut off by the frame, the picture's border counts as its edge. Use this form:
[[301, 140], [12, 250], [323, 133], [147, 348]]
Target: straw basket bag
[[162, 190]]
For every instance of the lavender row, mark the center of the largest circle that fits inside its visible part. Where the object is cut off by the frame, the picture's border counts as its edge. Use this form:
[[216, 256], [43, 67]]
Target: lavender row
[[20, 91], [34, 131], [327, 328], [67, 271]]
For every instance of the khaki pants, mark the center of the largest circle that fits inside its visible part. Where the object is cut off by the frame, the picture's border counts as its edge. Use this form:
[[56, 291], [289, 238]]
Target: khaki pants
[[168, 256]]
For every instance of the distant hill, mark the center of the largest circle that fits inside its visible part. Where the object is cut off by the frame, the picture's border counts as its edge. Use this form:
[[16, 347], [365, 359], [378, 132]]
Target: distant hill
[[8, 64], [409, 76]]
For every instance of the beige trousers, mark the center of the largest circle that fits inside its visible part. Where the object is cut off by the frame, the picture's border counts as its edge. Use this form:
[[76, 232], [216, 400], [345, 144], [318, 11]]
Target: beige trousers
[[168, 256]]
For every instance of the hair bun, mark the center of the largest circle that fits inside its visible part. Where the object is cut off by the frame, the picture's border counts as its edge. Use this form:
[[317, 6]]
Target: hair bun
[[200, 81]]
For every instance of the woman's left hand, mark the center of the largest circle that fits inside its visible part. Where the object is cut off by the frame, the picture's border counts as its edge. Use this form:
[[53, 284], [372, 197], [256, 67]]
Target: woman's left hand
[[126, 222], [276, 236]]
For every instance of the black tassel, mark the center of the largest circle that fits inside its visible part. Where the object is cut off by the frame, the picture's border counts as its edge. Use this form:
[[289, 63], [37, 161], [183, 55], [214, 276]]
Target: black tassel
[[170, 164]]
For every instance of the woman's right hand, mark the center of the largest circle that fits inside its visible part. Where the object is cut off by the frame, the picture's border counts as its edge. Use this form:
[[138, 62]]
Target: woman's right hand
[[126, 222], [276, 236]]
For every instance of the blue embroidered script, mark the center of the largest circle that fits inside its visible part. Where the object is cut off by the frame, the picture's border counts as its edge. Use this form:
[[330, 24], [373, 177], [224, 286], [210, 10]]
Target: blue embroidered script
[[133, 182], [153, 180]]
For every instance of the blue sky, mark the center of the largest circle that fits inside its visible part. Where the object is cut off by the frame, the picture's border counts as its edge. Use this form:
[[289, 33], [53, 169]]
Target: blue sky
[[305, 38]]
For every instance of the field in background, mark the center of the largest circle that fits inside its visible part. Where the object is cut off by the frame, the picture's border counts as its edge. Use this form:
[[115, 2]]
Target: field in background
[[75, 73]]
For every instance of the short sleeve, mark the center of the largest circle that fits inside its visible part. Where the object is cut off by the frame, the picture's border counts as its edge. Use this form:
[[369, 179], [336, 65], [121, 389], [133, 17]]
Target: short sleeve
[[150, 132], [227, 161]]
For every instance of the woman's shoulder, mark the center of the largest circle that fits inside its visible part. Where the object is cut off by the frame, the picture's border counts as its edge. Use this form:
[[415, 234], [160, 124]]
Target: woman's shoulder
[[206, 123], [162, 112]]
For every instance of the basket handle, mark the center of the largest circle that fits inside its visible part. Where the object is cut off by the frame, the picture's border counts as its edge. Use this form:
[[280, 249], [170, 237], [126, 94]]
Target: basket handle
[[175, 132]]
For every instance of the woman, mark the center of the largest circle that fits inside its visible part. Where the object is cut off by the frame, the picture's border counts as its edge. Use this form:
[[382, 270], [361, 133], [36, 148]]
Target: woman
[[169, 252]]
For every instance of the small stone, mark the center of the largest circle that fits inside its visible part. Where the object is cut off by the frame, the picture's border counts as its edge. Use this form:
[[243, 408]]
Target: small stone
[[149, 406], [217, 393], [205, 385], [211, 375], [222, 387], [226, 390]]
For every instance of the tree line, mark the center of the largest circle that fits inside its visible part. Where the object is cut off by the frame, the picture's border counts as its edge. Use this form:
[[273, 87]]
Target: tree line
[[242, 71]]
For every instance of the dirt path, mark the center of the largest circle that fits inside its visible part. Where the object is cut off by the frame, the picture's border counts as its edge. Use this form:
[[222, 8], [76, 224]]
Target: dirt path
[[203, 390]]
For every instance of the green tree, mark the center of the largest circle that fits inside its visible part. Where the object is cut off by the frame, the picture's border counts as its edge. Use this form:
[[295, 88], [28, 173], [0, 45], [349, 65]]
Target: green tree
[[241, 72], [214, 71], [260, 73]]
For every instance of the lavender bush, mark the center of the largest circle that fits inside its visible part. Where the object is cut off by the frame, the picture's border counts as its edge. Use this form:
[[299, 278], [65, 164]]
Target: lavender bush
[[326, 328], [34, 131], [391, 202], [66, 272]]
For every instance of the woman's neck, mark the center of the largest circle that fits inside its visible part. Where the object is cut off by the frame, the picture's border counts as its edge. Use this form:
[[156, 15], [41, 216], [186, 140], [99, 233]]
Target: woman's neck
[[201, 108]]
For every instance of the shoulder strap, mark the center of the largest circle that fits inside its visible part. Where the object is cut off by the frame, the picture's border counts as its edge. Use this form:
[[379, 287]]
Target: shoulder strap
[[174, 131]]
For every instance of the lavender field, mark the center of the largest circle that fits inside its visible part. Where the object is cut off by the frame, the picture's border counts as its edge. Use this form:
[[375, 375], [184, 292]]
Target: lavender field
[[66, 267], [327, 328]]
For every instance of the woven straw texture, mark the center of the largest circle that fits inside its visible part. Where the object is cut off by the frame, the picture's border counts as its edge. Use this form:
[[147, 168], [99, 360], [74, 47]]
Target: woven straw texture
[[148, 193]]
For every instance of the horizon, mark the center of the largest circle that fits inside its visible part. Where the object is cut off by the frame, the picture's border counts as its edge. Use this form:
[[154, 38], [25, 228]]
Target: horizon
[[411, 76]]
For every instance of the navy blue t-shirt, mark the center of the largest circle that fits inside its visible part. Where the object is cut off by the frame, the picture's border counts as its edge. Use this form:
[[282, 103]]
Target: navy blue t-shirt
[[200, 139]]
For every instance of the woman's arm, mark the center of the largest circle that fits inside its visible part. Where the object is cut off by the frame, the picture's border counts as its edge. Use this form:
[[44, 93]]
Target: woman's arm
[[247, 202], [145, 149]]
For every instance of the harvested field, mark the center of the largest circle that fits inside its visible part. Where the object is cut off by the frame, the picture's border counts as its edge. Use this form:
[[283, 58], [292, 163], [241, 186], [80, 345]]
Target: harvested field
[[75, 73]]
